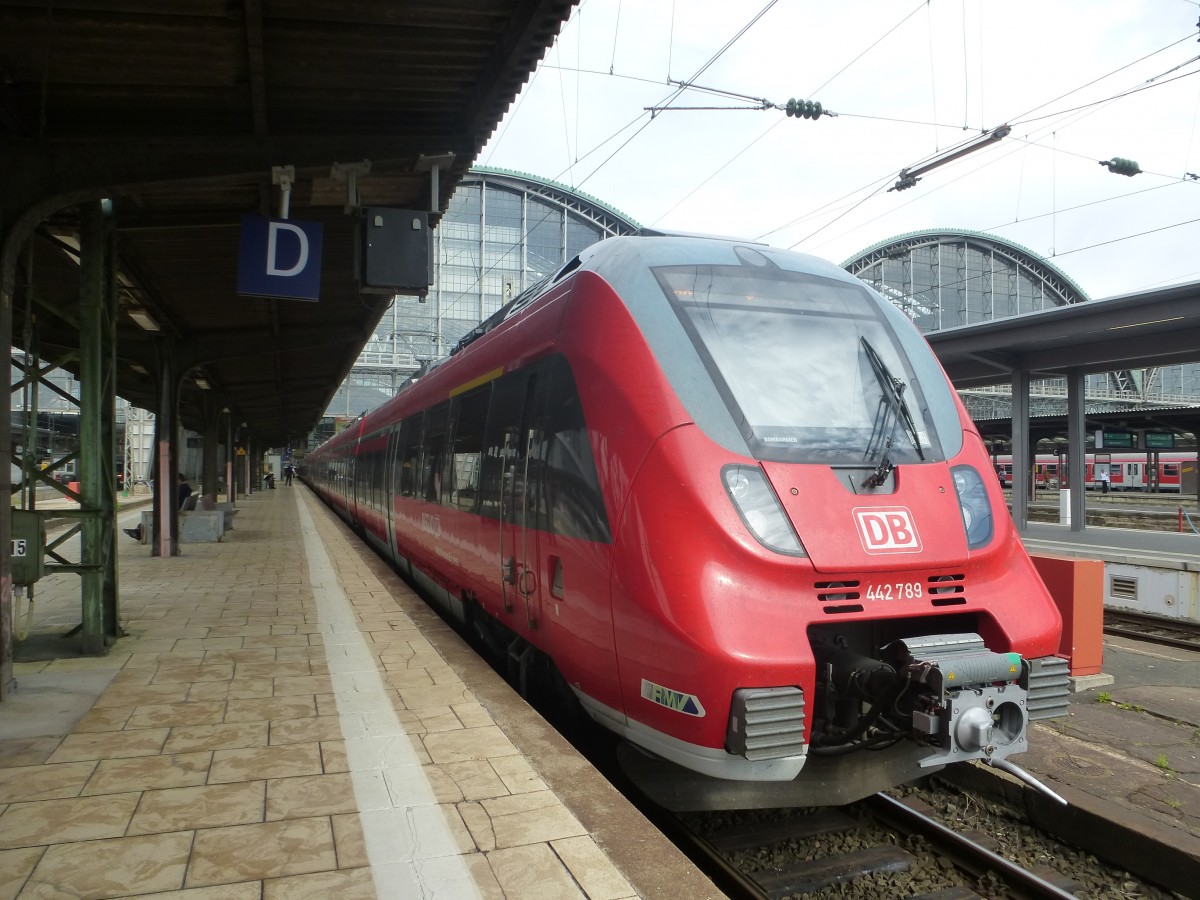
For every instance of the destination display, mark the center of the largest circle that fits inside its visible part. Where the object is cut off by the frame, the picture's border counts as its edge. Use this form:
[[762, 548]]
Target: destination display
[[1157, 440], [1116, 440]]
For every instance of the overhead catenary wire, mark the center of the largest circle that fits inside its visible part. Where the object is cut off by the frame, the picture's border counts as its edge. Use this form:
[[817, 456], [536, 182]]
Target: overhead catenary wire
[[1040, 106], [566, 119], [1084, 109], [616, 31], [948, 184], [680, 90], [764, 133], [1042, 115], [1023, 117], [483, 272]]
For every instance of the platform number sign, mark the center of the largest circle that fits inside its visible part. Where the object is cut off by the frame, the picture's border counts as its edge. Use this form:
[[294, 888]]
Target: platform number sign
[[279, 258], [19, 547]]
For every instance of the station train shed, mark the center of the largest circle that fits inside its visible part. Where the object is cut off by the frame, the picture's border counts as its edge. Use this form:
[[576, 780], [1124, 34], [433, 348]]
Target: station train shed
[[138, 143]]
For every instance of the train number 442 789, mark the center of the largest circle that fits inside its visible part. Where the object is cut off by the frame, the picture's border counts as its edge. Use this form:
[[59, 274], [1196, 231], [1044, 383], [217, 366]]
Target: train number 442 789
[[901, 590]]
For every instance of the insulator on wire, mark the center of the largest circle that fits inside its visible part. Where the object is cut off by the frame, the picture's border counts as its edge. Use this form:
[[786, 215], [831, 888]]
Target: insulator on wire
[[1120, 166], [804, 109]]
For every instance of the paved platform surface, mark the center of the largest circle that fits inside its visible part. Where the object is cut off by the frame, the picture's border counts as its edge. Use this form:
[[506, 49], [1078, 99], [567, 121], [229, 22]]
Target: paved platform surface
[[287, 719], [1135, 742]]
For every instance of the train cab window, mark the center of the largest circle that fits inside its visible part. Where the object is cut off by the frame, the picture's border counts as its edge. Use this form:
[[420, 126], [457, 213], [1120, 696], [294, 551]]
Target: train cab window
[[433, 452], [469, 414], [805, 365]]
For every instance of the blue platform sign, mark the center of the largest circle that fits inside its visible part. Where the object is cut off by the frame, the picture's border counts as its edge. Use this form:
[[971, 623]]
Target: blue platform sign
[[279, 258]]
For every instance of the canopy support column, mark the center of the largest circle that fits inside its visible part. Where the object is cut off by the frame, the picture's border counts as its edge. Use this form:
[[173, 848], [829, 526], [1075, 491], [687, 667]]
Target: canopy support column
[[97, 430]]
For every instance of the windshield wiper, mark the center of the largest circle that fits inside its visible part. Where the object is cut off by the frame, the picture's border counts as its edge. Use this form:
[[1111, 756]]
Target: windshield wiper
[[892, 409]]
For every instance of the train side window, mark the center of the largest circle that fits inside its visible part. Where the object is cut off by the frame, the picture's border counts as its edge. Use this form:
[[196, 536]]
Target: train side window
[[433, 451], [1171, 469], [359, 471], [500, 440], [469, 414], [408, 456], [576, 506], [389, 485], [377, 477], [362, 478]]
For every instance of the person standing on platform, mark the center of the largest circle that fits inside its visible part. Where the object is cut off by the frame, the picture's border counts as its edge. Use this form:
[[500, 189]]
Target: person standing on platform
[[287, 474], [1104, 478]]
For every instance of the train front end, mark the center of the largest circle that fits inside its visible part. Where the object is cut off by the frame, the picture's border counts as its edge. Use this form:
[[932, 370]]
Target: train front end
[[819, 592]]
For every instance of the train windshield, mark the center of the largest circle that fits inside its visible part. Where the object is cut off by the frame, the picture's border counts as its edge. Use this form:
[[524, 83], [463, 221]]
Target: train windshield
[[810, 367]]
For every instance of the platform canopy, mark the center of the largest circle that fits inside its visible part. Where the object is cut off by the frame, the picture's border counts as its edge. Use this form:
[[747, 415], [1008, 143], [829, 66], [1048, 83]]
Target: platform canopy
[[174, 117], [1158, 327]]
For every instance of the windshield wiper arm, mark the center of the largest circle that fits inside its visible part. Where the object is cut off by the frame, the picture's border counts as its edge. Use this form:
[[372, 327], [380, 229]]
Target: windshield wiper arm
[[892, 409]]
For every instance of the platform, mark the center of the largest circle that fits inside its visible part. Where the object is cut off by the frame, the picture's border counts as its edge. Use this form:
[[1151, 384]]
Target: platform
[[1127, 546], [287, 719]]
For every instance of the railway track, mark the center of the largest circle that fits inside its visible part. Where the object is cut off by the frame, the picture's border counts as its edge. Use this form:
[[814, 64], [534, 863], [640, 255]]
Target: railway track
[[882, 847], [938, 841], [1171, 633], [1120, 517]]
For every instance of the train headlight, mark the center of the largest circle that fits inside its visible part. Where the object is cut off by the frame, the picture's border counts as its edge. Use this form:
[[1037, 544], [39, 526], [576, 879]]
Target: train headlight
[[974, 504], [759, 508]]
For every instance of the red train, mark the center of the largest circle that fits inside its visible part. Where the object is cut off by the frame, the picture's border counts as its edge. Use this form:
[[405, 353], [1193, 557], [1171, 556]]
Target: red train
[[1128, 471], [726, 494]]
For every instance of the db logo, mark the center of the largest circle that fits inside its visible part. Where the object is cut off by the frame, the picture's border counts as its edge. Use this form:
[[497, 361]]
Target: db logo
[[887, 529]]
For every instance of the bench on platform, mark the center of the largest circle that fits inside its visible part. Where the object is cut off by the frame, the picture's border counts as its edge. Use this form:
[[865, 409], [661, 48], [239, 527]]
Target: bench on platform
[[228, 510], [196, 526]]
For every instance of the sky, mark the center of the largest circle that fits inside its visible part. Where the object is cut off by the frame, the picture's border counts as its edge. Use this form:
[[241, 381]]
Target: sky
[[1078, 81]]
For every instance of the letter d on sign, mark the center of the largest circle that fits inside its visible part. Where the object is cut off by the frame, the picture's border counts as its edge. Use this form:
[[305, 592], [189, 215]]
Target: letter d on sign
[[273, 229], [279, 258]]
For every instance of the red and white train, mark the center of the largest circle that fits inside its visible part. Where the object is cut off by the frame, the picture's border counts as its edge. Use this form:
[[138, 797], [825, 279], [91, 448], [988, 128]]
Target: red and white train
[[726, 495], [1128, 471]]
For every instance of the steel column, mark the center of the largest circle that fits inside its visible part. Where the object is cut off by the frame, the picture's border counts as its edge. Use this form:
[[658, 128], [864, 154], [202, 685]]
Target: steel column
[[1076, 452], [208, 478], [97, 430], [1022, 452], [166, 513], [7, 280], [230, 451], [110, 577]]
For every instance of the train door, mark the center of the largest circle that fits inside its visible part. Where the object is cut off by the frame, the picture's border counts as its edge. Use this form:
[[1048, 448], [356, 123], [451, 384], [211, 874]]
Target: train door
[[515, 407], [390, 489]]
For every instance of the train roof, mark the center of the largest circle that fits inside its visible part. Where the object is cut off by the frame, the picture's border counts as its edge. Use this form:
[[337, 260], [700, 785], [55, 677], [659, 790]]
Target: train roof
[[616, 257], [652, 249], [626, 262]]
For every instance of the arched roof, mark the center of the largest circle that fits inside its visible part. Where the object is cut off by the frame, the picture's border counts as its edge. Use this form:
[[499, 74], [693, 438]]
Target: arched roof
[[558, 193], [1060, 286]]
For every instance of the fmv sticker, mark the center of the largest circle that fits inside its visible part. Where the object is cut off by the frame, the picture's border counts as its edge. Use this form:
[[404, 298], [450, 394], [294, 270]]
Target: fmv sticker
[[688, 704], [887, 529]]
